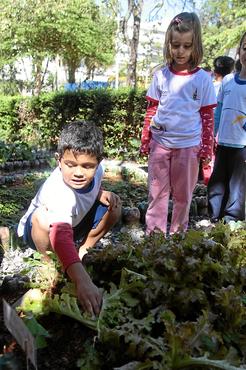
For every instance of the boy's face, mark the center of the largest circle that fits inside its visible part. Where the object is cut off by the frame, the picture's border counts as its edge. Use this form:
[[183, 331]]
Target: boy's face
[[78, 169]]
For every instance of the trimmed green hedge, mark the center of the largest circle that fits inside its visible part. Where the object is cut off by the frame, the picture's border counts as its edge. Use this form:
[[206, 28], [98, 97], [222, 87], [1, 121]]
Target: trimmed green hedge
[[38, 120]]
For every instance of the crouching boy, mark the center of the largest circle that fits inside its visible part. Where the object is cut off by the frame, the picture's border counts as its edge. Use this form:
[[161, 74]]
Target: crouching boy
[[71, 208]]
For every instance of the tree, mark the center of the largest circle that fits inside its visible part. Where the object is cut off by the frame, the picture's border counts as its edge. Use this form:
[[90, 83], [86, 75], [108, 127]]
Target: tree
[[134, 9], [73, 29], [24, 33], [85, 33], [223, 25], [132, 20]]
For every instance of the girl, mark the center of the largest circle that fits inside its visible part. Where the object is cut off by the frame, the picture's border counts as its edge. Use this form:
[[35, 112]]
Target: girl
[[227, 185], [178, 127]]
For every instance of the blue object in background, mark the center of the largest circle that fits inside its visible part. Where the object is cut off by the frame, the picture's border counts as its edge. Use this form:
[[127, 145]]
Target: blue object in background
[[86, 85]]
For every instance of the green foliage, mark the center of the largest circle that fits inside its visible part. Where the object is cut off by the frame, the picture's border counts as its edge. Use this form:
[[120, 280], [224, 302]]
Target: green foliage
[[38, 120], [73, 29], [15, 152], [38, 331], [9, 117], [167, 304], [223, 25], [13, 200]]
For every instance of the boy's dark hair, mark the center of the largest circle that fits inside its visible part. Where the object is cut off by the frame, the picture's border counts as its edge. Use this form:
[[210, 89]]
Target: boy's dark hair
[[238, 66], [81, 137], [223, 65]]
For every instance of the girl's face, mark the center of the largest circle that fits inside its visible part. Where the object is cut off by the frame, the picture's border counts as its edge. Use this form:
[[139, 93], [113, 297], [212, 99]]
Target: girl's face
[[242, 53], [181, 49]]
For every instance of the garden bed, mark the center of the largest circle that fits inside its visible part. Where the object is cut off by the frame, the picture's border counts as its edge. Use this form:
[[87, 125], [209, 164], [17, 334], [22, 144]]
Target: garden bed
[[183, 298]]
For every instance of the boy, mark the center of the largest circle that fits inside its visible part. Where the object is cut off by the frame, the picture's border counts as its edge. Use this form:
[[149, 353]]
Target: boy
[[227, 185], [223, 65], [71, 208]]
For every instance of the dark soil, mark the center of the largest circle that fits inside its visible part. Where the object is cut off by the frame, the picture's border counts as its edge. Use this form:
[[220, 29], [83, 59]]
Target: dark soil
[[64, 346]]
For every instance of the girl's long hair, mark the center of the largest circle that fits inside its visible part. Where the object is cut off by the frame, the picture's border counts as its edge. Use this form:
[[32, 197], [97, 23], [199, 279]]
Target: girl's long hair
[[185, 22]]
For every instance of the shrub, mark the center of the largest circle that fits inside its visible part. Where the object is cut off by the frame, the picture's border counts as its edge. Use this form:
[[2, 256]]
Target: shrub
[[38, 120]]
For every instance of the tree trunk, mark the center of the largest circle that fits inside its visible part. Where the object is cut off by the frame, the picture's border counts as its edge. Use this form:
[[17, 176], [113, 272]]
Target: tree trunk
[[38, 80], [134, 9], [71, 73]]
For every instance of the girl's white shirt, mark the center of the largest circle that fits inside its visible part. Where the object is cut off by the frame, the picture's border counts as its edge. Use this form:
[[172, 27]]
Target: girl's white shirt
[[177, 123]]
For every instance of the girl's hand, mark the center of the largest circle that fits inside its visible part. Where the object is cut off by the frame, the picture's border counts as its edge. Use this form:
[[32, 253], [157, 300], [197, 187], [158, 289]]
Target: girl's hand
[[205, 161], [205, 154], [144, 149], [110, 199]]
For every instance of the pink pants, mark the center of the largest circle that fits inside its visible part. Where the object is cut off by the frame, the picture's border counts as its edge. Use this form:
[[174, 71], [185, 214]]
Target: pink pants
[[171, 171]]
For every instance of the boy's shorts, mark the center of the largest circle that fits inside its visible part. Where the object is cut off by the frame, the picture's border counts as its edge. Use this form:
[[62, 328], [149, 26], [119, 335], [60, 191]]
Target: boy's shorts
[[80, 231]]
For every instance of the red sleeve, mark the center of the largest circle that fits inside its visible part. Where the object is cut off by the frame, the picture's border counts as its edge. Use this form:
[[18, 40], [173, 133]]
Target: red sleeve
[[207, 116], [61, 239], [146, 133]]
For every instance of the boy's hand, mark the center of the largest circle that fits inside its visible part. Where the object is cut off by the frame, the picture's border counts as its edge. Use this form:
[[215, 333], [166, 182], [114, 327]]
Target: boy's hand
[[90, 297], [88, 294], [110, 199]]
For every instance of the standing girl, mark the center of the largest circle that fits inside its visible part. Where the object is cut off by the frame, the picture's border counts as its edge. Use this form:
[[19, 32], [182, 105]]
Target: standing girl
[[227, 185], [178, 127]]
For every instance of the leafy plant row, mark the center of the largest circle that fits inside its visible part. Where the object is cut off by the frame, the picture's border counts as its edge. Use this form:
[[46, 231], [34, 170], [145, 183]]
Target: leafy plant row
[[20, 151], [168, 304]]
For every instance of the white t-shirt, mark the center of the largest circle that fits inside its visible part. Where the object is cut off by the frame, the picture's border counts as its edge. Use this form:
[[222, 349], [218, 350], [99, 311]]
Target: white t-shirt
[[217, 85], [232, 95], [180, 97], [64, 204]]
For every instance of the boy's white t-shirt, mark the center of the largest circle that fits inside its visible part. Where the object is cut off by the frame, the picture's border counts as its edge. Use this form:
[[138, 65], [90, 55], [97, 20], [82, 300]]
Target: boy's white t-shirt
[[63, 203], [232, 95], [217, 85], [180, 97]]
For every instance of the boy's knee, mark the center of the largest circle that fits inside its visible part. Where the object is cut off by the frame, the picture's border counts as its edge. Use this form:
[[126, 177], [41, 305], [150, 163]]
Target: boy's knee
[[4, 236]]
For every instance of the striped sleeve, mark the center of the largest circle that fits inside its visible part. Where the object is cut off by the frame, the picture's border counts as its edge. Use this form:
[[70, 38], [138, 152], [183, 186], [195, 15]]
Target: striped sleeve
[[146, 133]]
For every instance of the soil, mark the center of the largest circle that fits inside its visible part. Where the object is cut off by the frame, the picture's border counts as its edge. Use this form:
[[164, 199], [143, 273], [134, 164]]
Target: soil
[[64, 346]]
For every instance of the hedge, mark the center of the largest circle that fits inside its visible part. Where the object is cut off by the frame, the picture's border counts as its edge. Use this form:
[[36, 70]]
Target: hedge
[[37, 121]]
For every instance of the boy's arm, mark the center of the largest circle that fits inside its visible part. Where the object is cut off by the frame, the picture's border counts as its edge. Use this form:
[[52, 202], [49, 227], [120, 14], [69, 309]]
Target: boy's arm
[[61, 239], [207, 116], [146, 133]]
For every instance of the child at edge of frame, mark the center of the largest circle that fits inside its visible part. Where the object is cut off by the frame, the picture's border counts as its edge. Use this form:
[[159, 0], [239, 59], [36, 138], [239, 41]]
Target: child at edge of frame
[[223, 65], [178, 126], [71, 208], [227, 184]]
